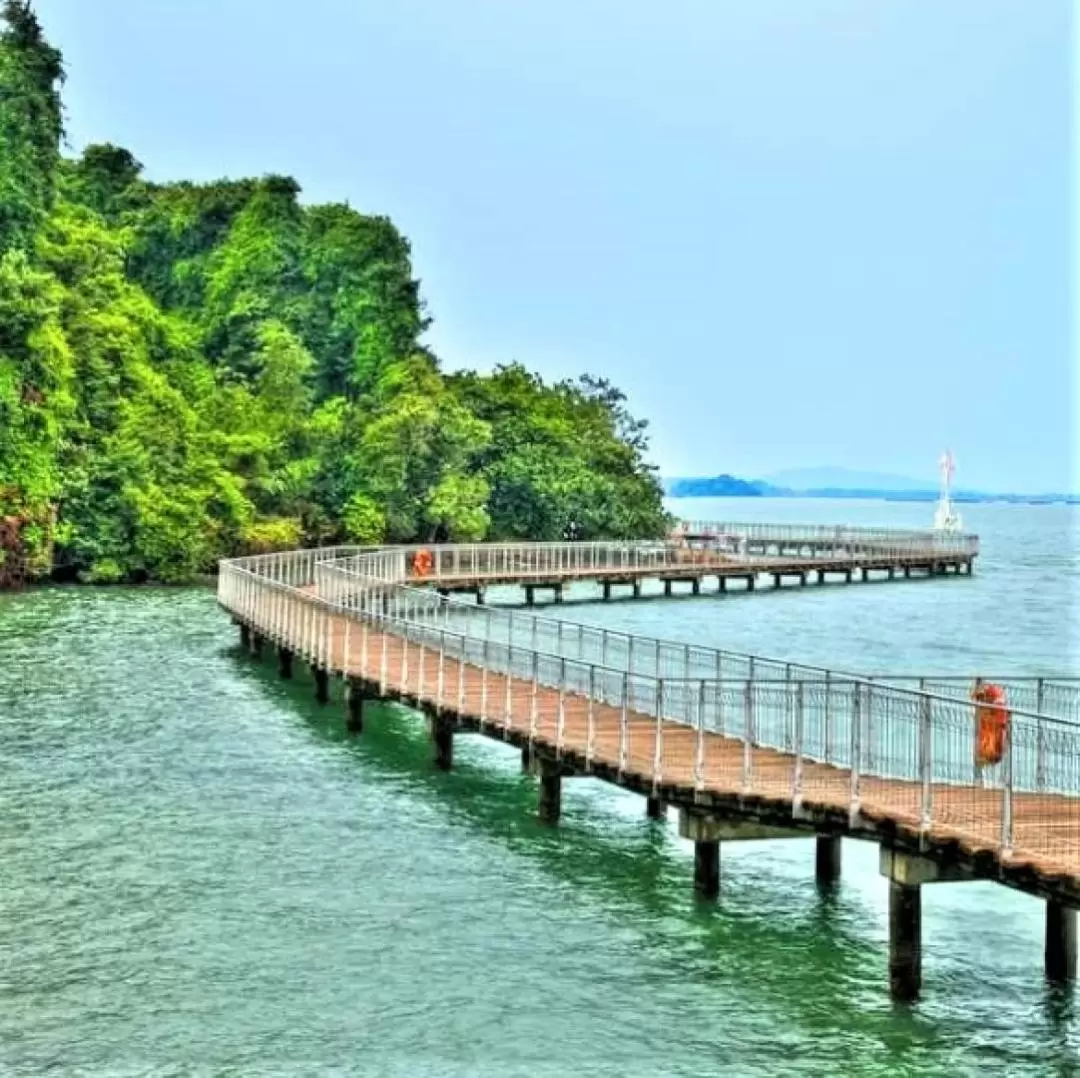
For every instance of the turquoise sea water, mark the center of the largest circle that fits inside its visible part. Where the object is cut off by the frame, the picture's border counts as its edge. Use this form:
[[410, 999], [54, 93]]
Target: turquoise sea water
[[202, 875]]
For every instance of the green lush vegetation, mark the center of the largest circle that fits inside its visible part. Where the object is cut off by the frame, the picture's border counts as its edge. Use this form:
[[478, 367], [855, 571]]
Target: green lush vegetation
[[190, 371]]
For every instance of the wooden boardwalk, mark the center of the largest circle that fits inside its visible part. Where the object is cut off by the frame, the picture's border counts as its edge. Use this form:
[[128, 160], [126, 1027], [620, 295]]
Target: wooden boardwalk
[[749, 758]]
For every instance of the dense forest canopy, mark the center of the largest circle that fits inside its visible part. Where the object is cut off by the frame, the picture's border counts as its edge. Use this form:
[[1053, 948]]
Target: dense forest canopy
[[190, 371]]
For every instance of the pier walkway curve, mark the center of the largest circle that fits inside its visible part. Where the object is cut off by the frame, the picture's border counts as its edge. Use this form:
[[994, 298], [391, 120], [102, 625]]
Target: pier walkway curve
[[742, 746]]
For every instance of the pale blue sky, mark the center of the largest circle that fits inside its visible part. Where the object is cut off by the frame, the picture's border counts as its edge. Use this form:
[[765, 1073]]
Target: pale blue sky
[[796, 232]]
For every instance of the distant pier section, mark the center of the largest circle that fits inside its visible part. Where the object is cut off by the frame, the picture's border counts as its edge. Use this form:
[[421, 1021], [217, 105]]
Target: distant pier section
[[697, 554]]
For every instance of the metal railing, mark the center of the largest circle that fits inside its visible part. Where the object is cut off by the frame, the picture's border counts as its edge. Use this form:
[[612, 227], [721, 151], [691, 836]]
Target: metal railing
[[749, 724], [838, 537]]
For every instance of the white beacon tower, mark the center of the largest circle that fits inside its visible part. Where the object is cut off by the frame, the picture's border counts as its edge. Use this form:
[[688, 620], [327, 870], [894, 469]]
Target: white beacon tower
[[946, 518]]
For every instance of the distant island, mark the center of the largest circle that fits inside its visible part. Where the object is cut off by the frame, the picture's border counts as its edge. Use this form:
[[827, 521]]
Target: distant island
[[839, 483]]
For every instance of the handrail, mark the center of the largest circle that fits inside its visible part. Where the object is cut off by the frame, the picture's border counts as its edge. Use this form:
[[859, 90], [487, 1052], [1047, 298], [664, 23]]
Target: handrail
[[880, 729]]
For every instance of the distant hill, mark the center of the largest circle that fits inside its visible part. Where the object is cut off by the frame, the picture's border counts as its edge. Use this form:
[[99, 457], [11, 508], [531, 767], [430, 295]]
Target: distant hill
[[802, 479], [718, 486], [840, 483]]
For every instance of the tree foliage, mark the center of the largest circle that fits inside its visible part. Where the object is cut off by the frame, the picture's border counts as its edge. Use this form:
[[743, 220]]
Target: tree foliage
[[190, 371]]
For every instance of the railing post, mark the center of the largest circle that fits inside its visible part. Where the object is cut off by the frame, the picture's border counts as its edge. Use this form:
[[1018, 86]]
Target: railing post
[[508, 680], [870, 727], [788, 717], [533, 717], [926, 760], [699, 753], [624, 730], [657, 747], [856, 749], [1006, 796], [590, 720], [562, 708], [720, 721], [797, 775], [484, 683], [347, 618], [461, 681], [1040, 736], [829, 755], [748, 737]]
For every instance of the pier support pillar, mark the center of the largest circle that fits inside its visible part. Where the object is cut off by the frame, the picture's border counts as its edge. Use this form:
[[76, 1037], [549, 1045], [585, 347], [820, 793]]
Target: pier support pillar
[[821, 576], [776, 580], [607, 590], [722, 582], [256, 644], [907, 873], [667, 587], [827, 859], [354, 706], [655, 808], [847, 576], [442, 736], [695, 586], [245, 636], [479, 596], [530, 596], [526, 758], [907, 572], [802, 580], [322, 684], [1060, 953], [556, 593], [637, 589], [865, 575], [751, 581], [707, 868], [549, 801], [905, 940], [284, 662]]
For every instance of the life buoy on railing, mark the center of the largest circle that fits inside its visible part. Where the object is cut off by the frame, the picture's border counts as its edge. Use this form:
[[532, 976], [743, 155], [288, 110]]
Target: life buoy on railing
[[422, 563], [991, 723]]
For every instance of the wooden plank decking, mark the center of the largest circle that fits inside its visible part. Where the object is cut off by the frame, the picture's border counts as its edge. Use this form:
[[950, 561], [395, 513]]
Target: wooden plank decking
[[665, 759]]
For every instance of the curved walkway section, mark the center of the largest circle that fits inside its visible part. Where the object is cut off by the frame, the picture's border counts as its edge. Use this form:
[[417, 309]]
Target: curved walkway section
[[742, 745]]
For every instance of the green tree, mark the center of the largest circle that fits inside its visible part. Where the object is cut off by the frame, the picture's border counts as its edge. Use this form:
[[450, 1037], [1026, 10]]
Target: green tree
[[194, 370], [30, 125]]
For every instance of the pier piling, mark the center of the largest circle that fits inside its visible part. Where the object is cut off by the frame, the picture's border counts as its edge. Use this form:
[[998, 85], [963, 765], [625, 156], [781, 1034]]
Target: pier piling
[[707, 868], [442, 736], [322, 683], [284, 658], [827, 859], [1060, 950], [549, 801], [905, 940], [354, 706]]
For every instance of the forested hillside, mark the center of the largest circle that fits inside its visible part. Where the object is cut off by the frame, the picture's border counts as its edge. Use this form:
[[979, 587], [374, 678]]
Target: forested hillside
[[192, 371]]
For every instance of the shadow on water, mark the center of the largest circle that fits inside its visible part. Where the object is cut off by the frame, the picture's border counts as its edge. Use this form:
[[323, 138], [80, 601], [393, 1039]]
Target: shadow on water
[[817, 965]]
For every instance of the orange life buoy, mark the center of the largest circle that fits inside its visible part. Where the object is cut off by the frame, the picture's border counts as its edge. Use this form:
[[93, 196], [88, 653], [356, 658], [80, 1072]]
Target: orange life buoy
[[991, 723], [422, 563]]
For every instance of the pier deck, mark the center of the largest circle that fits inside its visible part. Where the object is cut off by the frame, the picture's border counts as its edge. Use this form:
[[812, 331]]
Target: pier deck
[[743, 747]]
